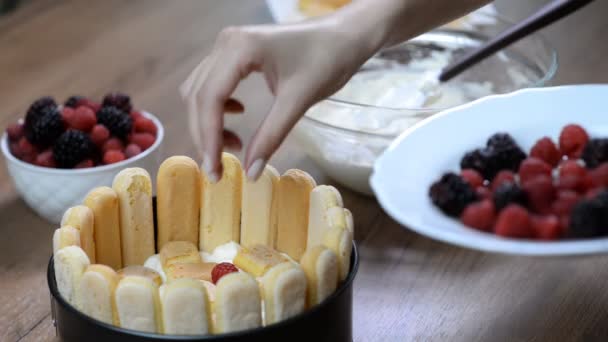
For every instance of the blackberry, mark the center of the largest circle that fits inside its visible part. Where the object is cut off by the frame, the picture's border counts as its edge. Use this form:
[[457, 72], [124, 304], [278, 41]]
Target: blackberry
[[73, 101], [595, 152], [479, 160], [500, 140], [46, 128], [38, 108], [505, 152], [118, 100], [117, 122], [588, 219], [71, 148], [452, 194], [508, 193]]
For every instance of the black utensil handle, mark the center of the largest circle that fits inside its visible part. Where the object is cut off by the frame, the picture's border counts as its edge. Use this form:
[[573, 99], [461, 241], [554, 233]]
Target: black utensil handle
[[548, 14]]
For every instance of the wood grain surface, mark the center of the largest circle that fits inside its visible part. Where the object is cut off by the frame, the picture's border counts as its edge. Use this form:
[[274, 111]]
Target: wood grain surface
[[409, 288]]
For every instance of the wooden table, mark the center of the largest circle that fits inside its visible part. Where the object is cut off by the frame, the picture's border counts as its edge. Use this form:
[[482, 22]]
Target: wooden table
[[408, 287]]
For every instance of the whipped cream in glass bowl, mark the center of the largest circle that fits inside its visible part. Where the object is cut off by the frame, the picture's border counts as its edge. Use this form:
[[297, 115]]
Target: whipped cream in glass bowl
[[398, 87]]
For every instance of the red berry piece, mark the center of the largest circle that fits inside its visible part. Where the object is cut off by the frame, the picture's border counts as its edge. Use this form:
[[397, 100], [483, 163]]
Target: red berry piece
[[84, 164], [532, 167], [572, 168], [143, 140], [221, 270], [112, 144], [592, 193], [68, 114], [541, 193], [113, 156], [504, 176], [94, 106], [565, 201], [546, 227], [29, 158], [15, 131], [132, 150], [99, 134], [25, 147], [479, 215], [572, 182], [83, 119], [572, 140], [15, 150], [136, 115], [45, 159], [483, 192], [545, 150], [513, 221], [599, 175], [145, 125]]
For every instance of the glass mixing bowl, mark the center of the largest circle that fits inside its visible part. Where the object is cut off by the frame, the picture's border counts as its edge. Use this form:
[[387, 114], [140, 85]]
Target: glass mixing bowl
[[345, 133]]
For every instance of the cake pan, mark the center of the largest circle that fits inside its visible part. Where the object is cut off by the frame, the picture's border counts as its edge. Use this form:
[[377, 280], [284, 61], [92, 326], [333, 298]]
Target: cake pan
[[328, 321]]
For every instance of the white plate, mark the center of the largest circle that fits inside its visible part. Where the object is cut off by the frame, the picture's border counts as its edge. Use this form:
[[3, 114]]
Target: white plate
[[403, 174]]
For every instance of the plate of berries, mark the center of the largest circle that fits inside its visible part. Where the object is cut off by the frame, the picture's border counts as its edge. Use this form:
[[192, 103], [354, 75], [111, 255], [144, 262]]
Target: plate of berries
[[522, 173]]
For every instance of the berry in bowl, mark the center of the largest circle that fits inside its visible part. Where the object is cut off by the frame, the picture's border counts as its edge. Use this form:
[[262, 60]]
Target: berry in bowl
[[82, 140], [522, 173]]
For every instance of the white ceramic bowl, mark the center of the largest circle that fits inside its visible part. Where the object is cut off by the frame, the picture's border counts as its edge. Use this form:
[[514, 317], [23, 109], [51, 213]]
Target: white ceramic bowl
[[49, 192], [403, 174]]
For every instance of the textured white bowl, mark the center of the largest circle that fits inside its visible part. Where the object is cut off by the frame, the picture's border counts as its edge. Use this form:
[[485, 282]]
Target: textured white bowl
[[403, 174], [50, 192]]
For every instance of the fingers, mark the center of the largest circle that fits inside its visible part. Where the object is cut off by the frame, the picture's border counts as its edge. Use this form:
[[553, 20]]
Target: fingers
[[284, 114]]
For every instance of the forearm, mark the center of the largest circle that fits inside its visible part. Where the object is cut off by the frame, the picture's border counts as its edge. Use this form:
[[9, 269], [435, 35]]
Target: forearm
[[381, 23]]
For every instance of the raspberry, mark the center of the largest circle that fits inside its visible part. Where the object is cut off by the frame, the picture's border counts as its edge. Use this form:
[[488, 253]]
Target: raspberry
[[85, 164], [29, 158], [132, 150], [100, 134], [45, 159], [113, 156], [112, 144], [513, 221], [221, 270], [532, 167], [508, 193], [571, 182], [83, 119], [73, 101], [94, 106], [541, 193], [504, 176], [143, 140], [572, 140], [483, 192], [15, 131], [571, 167], [136, 115], [25, 147], [116, 121], [599, 175], [118, 100], [452, 194], [145, 125], [479, 215], [67, 114], [595, 152], [471, 176], [546, 227], [565, 200], [71, 148], [15, 150], [545, 150]]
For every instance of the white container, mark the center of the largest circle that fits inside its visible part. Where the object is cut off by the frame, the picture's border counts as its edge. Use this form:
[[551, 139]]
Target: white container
[[50, 192]]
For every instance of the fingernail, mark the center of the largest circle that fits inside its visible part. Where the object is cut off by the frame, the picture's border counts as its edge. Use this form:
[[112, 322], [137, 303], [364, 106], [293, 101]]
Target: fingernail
[[184, 90], [256, 169], [211, 175]]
